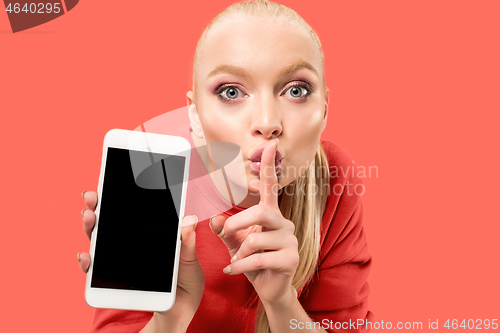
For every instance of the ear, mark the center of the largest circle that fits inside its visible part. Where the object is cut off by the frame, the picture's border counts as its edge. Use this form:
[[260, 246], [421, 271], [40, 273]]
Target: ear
[[194, 118], [325, 114]]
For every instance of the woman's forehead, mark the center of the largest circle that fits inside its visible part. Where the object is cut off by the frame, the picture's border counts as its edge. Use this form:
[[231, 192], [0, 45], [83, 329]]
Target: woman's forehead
[[256, 46]]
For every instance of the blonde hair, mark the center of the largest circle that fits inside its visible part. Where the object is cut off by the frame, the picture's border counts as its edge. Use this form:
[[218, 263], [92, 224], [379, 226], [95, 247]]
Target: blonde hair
[[303, 200]]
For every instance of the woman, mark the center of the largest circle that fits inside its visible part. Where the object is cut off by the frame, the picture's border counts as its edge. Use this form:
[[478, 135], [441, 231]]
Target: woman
[[258, 78]]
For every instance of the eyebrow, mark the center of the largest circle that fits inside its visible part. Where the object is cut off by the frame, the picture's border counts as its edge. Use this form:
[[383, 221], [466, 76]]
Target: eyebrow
[[241, 72]]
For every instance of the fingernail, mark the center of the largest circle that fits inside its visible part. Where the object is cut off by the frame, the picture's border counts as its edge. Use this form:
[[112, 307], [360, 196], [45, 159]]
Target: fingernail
[[83, 211], [78, 257], [227, 270], [221, 233], [210, 222], [277, 141], [83, 195], [234, 258], [196, 223], [189, 220]]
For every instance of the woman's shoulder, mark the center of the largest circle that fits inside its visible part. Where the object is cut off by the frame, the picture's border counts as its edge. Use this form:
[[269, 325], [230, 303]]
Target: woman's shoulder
[[332, 148], [342, 221], [342, 167], [336, 154]]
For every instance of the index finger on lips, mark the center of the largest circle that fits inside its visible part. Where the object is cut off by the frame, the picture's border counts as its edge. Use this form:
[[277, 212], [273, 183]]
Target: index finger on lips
[[268, 177]]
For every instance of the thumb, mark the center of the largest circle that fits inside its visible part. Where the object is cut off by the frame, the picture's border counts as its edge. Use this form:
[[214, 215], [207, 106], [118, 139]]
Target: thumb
[[233, 241], [188, 238], [217, 225]]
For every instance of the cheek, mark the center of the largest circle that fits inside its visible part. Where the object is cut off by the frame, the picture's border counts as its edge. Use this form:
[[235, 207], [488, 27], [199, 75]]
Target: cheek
[[301, 146], [298, 163], [221, 131], [305, 131], [219, 125]]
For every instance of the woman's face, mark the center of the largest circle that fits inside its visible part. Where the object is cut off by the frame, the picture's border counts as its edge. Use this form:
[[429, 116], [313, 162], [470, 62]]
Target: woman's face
[[256, 81]]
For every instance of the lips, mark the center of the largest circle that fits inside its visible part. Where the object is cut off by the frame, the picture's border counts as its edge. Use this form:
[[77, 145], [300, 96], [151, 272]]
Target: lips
[[256, 157], [257, 154]]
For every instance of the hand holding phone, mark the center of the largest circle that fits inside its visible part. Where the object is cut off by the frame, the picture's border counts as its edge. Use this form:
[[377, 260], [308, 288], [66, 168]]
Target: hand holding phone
[[191, 280], [190, 274]]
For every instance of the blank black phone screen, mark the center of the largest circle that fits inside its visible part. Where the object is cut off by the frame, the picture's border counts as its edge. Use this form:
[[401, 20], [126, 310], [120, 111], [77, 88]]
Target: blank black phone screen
[[138, 221]]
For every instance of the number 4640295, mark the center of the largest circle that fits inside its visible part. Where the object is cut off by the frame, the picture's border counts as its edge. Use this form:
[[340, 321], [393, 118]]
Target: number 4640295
[[477, 324], [34, 8]]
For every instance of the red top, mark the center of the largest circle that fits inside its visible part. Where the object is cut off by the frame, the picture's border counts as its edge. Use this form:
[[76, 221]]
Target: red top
[[337, 293]]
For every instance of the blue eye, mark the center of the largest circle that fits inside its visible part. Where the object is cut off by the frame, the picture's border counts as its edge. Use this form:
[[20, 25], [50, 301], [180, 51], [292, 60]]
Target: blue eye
[[297, 91], [230, 93]]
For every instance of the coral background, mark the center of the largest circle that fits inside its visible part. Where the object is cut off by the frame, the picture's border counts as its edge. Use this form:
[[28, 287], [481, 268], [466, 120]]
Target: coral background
[[414, 91]]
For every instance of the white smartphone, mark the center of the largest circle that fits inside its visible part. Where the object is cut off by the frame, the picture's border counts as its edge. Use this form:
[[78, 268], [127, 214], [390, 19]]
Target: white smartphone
[[135, 243]]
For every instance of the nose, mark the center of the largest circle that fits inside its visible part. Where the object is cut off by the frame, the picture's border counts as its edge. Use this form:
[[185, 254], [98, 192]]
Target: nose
[[266, 120]]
